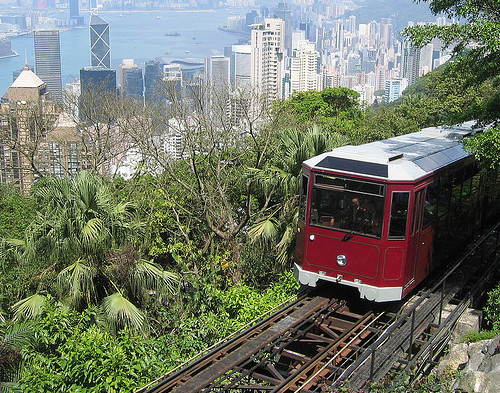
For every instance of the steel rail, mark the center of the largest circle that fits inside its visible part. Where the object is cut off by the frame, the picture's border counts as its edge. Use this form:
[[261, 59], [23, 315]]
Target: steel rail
[[338, 354], [262, 318]]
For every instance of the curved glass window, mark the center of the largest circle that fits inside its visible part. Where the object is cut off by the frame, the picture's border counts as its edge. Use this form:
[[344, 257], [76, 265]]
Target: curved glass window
[[347, 205]]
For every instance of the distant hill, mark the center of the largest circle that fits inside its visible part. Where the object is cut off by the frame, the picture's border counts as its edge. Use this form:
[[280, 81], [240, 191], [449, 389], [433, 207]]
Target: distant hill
[[400, 11]]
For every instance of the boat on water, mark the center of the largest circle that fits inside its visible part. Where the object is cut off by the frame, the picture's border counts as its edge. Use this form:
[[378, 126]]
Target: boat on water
[[172, 34]]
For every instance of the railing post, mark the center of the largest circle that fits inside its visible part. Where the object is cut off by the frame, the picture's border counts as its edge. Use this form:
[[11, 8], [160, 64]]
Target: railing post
[[411, 333], [441, 302], [372, 365]]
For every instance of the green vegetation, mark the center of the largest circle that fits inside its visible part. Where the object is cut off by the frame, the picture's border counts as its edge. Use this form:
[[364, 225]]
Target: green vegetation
[[107, 284], [473, 336]]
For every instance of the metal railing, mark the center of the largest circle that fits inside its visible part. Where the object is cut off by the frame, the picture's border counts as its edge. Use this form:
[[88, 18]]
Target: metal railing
[[416, 322]]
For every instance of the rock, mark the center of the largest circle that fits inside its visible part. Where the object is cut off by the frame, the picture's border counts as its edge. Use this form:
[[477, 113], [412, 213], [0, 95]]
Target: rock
[[491, 364], [494, 377], [494, 346], [475, 382], [477, 353], [455, 359], [470, 320]]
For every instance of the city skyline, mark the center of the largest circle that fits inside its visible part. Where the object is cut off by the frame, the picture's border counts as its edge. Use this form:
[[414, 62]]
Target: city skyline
[[329, 39]]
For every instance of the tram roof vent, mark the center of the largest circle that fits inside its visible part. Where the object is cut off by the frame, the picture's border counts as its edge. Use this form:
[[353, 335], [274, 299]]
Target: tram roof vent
[[396, 157]]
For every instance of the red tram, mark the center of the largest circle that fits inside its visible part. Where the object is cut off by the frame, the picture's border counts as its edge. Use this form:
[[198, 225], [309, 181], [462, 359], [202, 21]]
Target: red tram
[[380, 216]]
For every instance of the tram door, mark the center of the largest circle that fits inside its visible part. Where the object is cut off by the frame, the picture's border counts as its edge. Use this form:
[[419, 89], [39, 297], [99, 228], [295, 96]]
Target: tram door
[[415, 237]]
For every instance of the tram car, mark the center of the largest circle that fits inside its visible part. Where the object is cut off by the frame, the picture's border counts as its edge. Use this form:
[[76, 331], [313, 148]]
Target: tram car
[[381, 216]]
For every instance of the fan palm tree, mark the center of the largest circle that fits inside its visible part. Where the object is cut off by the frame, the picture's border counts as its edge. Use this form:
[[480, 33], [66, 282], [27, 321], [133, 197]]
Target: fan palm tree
[[80, 233], [12, 338], [280, 181]]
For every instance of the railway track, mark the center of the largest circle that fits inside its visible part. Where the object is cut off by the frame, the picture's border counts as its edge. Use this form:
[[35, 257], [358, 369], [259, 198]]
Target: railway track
[[294, 349], [317, 344]]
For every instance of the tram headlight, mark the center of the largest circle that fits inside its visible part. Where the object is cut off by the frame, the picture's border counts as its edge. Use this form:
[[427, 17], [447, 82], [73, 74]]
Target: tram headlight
[[341, 260]]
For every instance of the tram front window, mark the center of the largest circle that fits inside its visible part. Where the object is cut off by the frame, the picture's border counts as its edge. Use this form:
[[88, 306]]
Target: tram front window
[[347, 210]]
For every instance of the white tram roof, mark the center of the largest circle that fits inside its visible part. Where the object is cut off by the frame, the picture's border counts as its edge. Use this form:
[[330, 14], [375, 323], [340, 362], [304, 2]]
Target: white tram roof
[[404, 158]]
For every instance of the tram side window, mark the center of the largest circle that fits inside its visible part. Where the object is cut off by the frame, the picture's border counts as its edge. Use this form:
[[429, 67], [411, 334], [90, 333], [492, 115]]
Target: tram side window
[[399, 215], [430, 207], [444, 195], [303, 198]]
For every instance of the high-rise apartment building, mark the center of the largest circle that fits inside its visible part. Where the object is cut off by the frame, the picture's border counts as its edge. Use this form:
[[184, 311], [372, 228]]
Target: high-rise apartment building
[[304, 67], [394, 88], [410, 62], [267, 58], [48, 147], [48, 60], [99, 42]]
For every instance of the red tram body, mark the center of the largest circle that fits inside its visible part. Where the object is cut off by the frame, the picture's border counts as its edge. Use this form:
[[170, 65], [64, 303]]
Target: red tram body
[[373, 216]]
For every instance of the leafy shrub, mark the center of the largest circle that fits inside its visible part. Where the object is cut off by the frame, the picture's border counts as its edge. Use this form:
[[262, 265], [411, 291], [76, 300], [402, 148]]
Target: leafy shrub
[[492, 309], [94, 361]]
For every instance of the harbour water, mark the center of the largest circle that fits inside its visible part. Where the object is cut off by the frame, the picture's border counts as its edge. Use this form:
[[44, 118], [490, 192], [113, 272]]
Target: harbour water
[[141, 35]]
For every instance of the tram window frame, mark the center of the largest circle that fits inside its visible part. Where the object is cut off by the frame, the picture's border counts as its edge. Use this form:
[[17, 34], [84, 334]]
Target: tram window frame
[[303, 198], [415, 225], [430, 204], [444, 195], [344, 192], [404, 216]]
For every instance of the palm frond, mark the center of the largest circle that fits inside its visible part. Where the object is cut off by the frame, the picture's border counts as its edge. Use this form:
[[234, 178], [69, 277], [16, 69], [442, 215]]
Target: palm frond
[[149, 275], [92, 231], [19, 335], [121, 312], [78, 281], [265, 230], [16, 243], [10, 387], [29, 308]]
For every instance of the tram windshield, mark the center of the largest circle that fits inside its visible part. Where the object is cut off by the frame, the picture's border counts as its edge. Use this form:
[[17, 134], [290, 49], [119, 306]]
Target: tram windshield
[[347, 204]]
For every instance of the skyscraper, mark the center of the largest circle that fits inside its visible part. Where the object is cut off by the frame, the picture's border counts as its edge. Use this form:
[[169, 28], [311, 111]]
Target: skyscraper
[[97, 78], [242, 55], [152, 79], [410, 62], [304, 67], [267, 57], [131, 81], [283, 12], [218, 71], [48, 60], [99, 42], [74, 12]]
